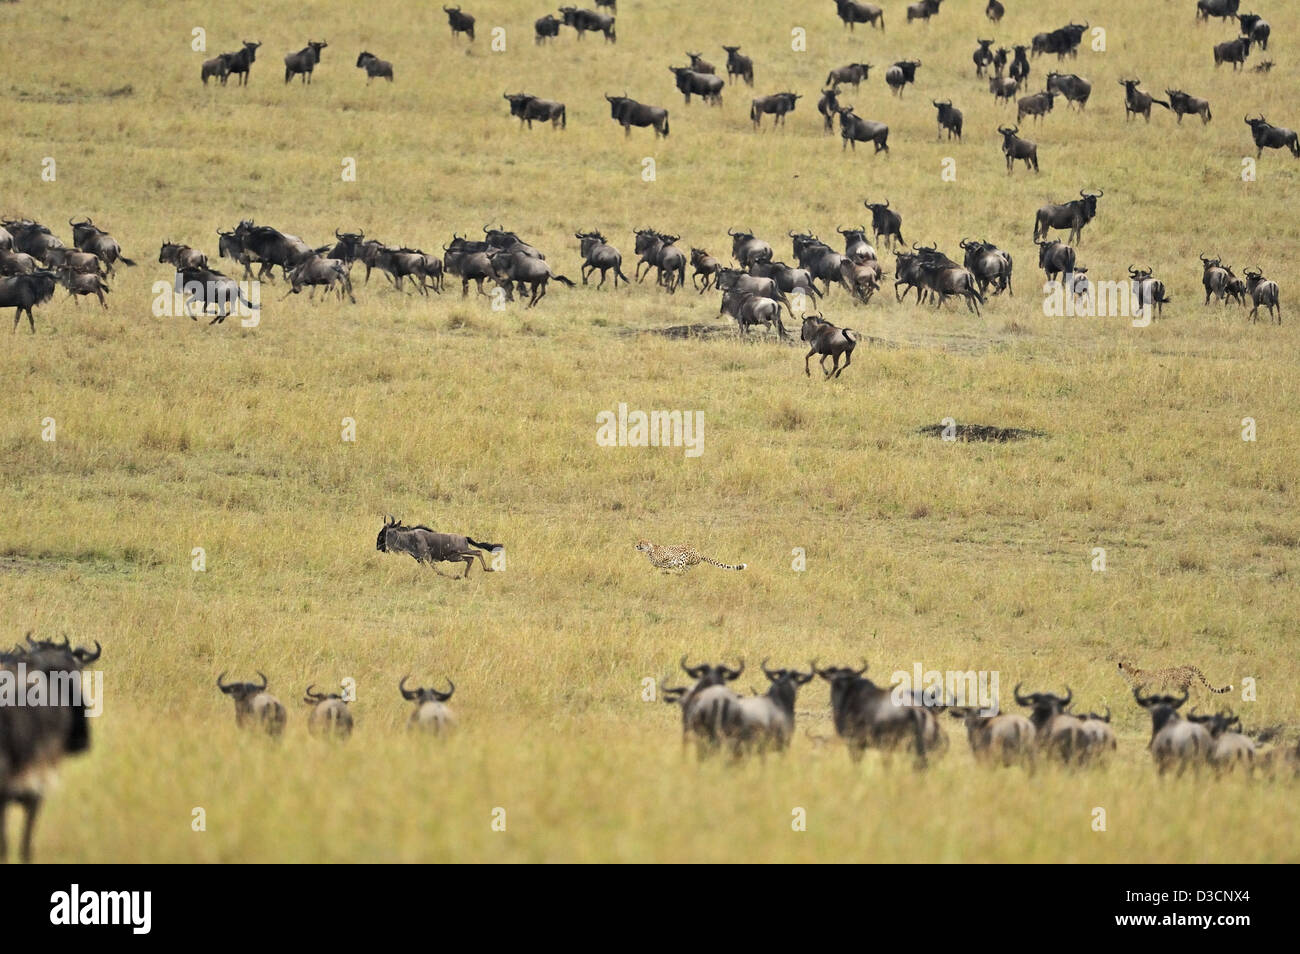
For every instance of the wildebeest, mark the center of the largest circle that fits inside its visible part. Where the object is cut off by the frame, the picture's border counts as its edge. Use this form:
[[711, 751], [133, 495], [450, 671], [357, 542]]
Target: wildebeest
[[1174, 740], [83, 283], [983, 56], [426, 545], [1183, 103], [1268, 136], [900, 74], [758, 723], [599, 254], [750, 309], [1215, 277], [628, 113], [459, 22], [746, 249], [90, 238], [885, 221], [1072, 215], [469, 261], [1005, 737], [861, 279], [787, 278], [852, 13], [1234, 52], [1137, 102], [521, 269], [829, 107], [72, 260], [23, 292], [529, 107], [37, 736], [1147, 290], [1075, 89], [1254, 27], [705, 85], [32, 238], [374, 66], [704, 264], [546, 28], [181, 256], [432, 713], [828, 341], [304, 61], [1223, 9], [231, 246], [700, 65], [1229, 748], [254, 706], [1036, 105], [854, 129], [740, 284], [1099, 735], [853, 73], [945, 279], [949, 118], [1058, 732], [989, 264], [218, 66], [1055, 258], [1264, 292], [241, 61], [329, 717], [867, 716], [17, 263], [1019, 69], [584, 20], [923, 10], [6, 239], [708, 705], [1013, 147], [995, 10], [656, 250], [856, 245], [209, 288], [271, 247], [821, 261], [316, 270], [1003, 88], [739, 65], [1063, 42]]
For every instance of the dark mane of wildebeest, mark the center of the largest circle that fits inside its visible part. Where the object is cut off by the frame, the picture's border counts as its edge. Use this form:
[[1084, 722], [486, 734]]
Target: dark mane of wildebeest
[[32, 238], [374, 66], [1256, 28], [83, 283], [23, 292], [628, 113], [828, 341], [316, 270], [304, 61], [1146, 289], [739, 65], [746, 249], [742, 284], [923, 9], [949, 118], [35, 737], [597, 254], [1003, 88], [459, 22], [529, 107], [270, 247], [1019, 68], [211, 289], [900, 74], [885, 221], [519, 268], [254, 706], [829, 107], [1183, 103], [1234, 52], [425, 545], [1138, 101], [1055, 258], [1216, 277], [546, 28], [704, 264], [1264, 292], [181, 256], [867, 716], [692, 82], [1223, 9], [983, 56], [1072, 215], [656, 250], [1265, 134], [852, 12], [584, 20], [90, 238], [1036, 105], [240, 61], [1074, 88], [218, 66], [853, 73], [749, 309], [989, 264], [854, 129]]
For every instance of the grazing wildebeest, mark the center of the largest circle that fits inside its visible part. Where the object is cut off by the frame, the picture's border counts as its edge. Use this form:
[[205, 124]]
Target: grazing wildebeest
[[705, 85], [181, 256], [1262, 291], [1003, 88], [1137, 102], [1268, 136], [900, 74], [746, 249], [869, 716], [90, 238], [983, 56], [923, 10], [989, 264], [949, 118], [829, 107], [778, 104], [83, 283], [38, 733], [529, 107], [1075, 89], [431, 711], [1148, 291], [700, 65], [459, 22], [317, 270], [1256, 28], [1216, 277], [1072, 215], [749, 309], [218, 66], [854, 129], [584, 20], [1055, 258], [885, 221], [23, 292], [828, 341], [628, 113], [995, 10], [706, 265], [241, 60], [1234, 52], [1223, 9], [329, 716], [211, 289], [521, 269], [1019, 69], [546, 28], [656, 250], [374, 66], [598, 254], [425, 545], [469, 261], [254, 706], [1036, 105], [304, 61], [854, 74], [852, 13], [1183, 103], [1174, 740], [739, 65], [1016, 148]]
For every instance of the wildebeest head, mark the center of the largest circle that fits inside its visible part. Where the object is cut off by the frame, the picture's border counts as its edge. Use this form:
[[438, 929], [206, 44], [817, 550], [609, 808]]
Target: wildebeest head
[[422, 695], [315, 698], [241, 691], [707, 674], [1044, 705]]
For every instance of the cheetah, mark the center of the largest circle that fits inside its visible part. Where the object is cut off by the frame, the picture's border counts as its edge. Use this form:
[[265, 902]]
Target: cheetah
[[1177, 677], [679, 558]]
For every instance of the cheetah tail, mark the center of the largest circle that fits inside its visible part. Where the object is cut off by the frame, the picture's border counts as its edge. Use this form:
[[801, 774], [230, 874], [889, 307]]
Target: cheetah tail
[[1201, 676], [725, 566]]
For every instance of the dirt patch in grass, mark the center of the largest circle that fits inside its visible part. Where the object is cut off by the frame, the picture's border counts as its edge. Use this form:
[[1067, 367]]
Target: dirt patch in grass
[[980, 432]]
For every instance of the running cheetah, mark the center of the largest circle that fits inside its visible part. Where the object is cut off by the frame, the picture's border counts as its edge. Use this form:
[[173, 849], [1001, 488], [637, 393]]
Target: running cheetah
[[679, 558], [1177, 677]]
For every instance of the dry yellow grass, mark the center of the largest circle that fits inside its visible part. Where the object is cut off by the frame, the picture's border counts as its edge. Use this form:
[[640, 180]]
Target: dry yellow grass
[[173, 435]]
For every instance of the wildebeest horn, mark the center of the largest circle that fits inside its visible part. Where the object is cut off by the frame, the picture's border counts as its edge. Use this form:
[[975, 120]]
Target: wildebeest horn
[[407, 694], [1021, 700], [86, 656], [313, 696], [1068, 696], [265, 683], [767, 672], [220, 685], [444, 696]]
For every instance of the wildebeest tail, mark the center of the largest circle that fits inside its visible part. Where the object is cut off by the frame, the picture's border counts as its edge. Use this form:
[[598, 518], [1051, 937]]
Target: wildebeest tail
[[1160, 102], [124, 260], [564, 118], [561, 278], [490, 547]]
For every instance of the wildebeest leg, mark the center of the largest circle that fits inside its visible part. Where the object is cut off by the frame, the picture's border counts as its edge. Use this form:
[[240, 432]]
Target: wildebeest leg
[[602, 280], [31, 804], [848, 359]]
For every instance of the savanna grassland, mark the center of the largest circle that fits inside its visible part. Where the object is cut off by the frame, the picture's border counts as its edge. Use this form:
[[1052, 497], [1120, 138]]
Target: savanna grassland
[[173, 435]]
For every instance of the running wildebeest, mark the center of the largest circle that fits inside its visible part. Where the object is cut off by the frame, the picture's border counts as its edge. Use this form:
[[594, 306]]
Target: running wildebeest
[[83, 283], [1019, 69], [746, 249], [854, 129], [521, 269], [900, 74], [584, 20], [425, 545], [1137, 102], [374, 66], [32, 238], [240, 61], [700, 65], [218, 66], [706, 265], [1223, 9], [656, 250], [778, 104], [949, 118], [1234, 52], [989, 264], [211, 289], [856, 246], [983, 56], [1262, 292], [181, 256], [459, 22], [945, 279], [318, 270], [828, 341], [304, 61], [1183, 103], [1016, 148], [546, 28], [734, 280], [852, 13], [1036, 105], [23, 292], [270, 247], [528, 107], [628, 113], [1268, 136], [1256, 28], [885, 221], [1072, 215], [1003, 88], [995, 10], [829, 107], [854, 74], [72, 260], [923, 10], [90, 238], [1216, 277], [739, 65], [598, 254], [469, 261], [705, 85], [750, 309], [1075, 89], [1055, 258]]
